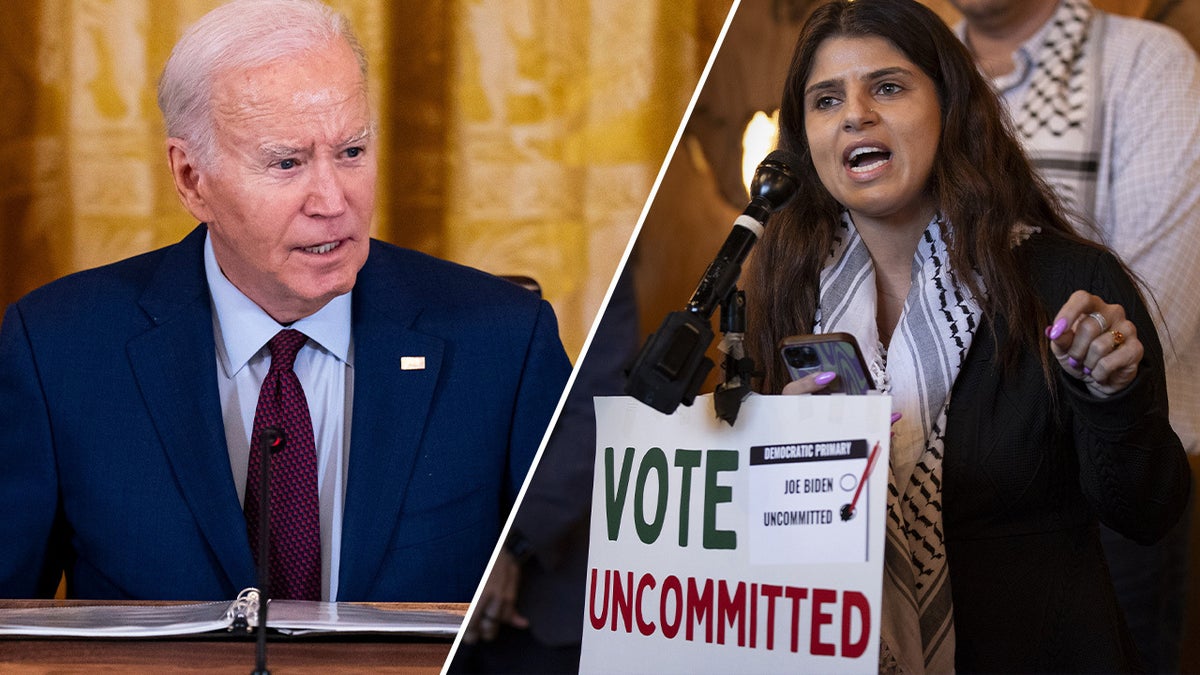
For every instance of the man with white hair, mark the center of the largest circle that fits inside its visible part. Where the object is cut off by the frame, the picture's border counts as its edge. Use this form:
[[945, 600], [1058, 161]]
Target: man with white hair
[[409, 394]]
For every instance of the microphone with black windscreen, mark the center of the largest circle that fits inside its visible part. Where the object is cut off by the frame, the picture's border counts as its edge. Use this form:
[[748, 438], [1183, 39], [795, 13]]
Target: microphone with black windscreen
[[672, 365]]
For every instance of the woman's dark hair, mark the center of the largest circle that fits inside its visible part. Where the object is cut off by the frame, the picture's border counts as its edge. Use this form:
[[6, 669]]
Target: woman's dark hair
[[982, 183]]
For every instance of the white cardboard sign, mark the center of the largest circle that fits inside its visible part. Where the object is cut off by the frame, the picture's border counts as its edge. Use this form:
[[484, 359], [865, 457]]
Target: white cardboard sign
[[735, 549]]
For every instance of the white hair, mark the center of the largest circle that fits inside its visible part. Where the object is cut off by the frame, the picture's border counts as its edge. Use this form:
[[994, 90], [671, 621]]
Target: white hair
[[236, 36]]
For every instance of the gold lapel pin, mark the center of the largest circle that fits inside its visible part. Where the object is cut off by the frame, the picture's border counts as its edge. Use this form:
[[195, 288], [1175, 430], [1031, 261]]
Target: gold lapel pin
[[412, 363]]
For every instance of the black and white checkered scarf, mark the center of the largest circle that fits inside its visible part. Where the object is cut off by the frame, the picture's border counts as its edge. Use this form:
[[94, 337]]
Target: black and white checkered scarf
[[918, 369]]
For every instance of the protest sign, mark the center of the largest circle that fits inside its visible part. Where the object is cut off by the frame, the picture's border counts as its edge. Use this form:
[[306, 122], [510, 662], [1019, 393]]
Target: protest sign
[[757, 547]]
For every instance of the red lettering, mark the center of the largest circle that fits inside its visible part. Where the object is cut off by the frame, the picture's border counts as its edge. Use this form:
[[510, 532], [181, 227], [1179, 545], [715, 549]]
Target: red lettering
[[622, 602], [753, 615], [699, 608], [796, 595], [671, 585], [820, 598], [853, 600], [770, 592], [730, 609], [646, 628], [598, 621]]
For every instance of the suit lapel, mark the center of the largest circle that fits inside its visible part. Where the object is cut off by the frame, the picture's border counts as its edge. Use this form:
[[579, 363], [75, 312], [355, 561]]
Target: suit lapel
[[395, 374], [174, 363]]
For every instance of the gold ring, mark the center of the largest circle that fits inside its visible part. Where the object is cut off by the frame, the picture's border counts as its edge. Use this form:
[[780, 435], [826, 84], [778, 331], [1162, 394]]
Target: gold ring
[[1118, 338]]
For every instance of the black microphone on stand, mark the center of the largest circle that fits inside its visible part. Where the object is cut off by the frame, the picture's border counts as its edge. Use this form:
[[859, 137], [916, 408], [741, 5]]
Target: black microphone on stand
[[270, 441], [672, 366]]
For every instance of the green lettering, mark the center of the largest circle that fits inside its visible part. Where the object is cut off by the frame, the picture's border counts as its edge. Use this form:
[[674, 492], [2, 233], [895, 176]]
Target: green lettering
[[648, 532], [614, 500], [686, 460], [716, 462]]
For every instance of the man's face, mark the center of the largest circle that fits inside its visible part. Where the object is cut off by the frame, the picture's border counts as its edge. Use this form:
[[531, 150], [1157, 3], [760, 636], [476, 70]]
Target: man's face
[[999, 13], [290, 193]]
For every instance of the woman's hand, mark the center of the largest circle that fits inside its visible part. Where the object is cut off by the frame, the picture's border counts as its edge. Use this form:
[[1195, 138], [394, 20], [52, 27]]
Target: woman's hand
[[816, 382], [1095, 343], [810, 384]]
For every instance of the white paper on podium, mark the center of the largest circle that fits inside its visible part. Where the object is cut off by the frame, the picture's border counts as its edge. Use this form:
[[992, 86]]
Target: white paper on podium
[[808, 486], [724, 549], [293, 617]]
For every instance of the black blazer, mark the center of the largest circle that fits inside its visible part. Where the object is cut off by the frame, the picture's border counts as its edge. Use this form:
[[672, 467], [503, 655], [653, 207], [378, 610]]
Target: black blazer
[[1026, 479]]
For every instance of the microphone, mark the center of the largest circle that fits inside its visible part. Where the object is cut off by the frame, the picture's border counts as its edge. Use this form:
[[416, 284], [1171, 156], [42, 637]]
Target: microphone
[[270, 441], [671, 366], [772, 187]]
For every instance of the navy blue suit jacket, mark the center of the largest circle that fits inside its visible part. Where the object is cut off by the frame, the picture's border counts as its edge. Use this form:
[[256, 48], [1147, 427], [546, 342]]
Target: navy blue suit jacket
[[113, 461]]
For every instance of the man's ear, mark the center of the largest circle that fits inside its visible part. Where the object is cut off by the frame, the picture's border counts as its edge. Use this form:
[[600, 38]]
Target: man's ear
[[187, 177]]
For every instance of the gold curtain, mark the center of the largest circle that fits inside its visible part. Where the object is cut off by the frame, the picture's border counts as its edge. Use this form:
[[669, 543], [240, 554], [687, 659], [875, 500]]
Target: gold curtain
[[518, 136]]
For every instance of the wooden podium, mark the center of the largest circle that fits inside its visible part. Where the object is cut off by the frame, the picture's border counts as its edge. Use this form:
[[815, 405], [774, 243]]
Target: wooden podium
[[225, 653]]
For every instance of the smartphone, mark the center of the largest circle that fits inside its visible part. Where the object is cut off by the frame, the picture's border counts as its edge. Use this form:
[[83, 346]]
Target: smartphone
[[839, 352]]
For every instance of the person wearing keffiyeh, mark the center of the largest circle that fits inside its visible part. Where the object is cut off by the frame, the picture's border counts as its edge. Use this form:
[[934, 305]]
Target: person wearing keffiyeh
[[1022, 357], [1105, 105]]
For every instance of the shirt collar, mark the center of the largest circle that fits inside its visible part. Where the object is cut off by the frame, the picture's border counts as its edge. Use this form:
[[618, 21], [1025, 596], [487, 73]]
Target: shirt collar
[[1023, 58], [243, 327]]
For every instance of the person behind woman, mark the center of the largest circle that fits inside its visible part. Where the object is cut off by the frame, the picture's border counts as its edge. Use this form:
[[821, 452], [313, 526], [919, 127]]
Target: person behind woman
[[1022, 357]]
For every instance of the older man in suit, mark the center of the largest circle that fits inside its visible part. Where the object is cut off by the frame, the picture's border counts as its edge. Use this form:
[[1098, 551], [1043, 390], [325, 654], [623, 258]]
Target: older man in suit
[[412, 393]]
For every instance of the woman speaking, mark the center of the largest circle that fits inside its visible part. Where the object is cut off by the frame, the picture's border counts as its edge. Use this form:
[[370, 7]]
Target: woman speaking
[[1022, 357]]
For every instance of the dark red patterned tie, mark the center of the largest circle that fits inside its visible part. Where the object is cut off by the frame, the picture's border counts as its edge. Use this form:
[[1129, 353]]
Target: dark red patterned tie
[[295, 569]]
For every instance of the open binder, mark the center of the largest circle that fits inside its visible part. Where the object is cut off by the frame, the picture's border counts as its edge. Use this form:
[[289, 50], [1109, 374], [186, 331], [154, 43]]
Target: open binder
[[292, 617]]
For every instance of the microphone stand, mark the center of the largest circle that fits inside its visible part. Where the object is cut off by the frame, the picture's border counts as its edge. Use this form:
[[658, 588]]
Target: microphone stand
[[671, 367], [739, 368], [270, 441]]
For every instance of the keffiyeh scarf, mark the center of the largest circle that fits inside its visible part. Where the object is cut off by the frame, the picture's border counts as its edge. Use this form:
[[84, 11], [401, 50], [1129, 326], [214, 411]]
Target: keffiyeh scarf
[[1059, 119], [918, 369]]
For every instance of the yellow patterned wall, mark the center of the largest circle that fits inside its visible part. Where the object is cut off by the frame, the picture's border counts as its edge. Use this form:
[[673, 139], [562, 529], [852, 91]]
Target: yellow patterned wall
[[562, 112], [552, 119]]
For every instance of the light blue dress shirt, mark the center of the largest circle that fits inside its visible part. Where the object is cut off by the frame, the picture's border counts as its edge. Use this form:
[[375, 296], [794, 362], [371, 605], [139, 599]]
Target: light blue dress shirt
[[325, 367]]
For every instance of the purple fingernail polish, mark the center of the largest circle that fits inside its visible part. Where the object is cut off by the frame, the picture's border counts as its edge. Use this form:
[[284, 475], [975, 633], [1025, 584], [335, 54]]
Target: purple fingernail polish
[[1057, 328], [1072, 362], [1047, 331], [1087, 371], [825, 377], [896, 417]]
